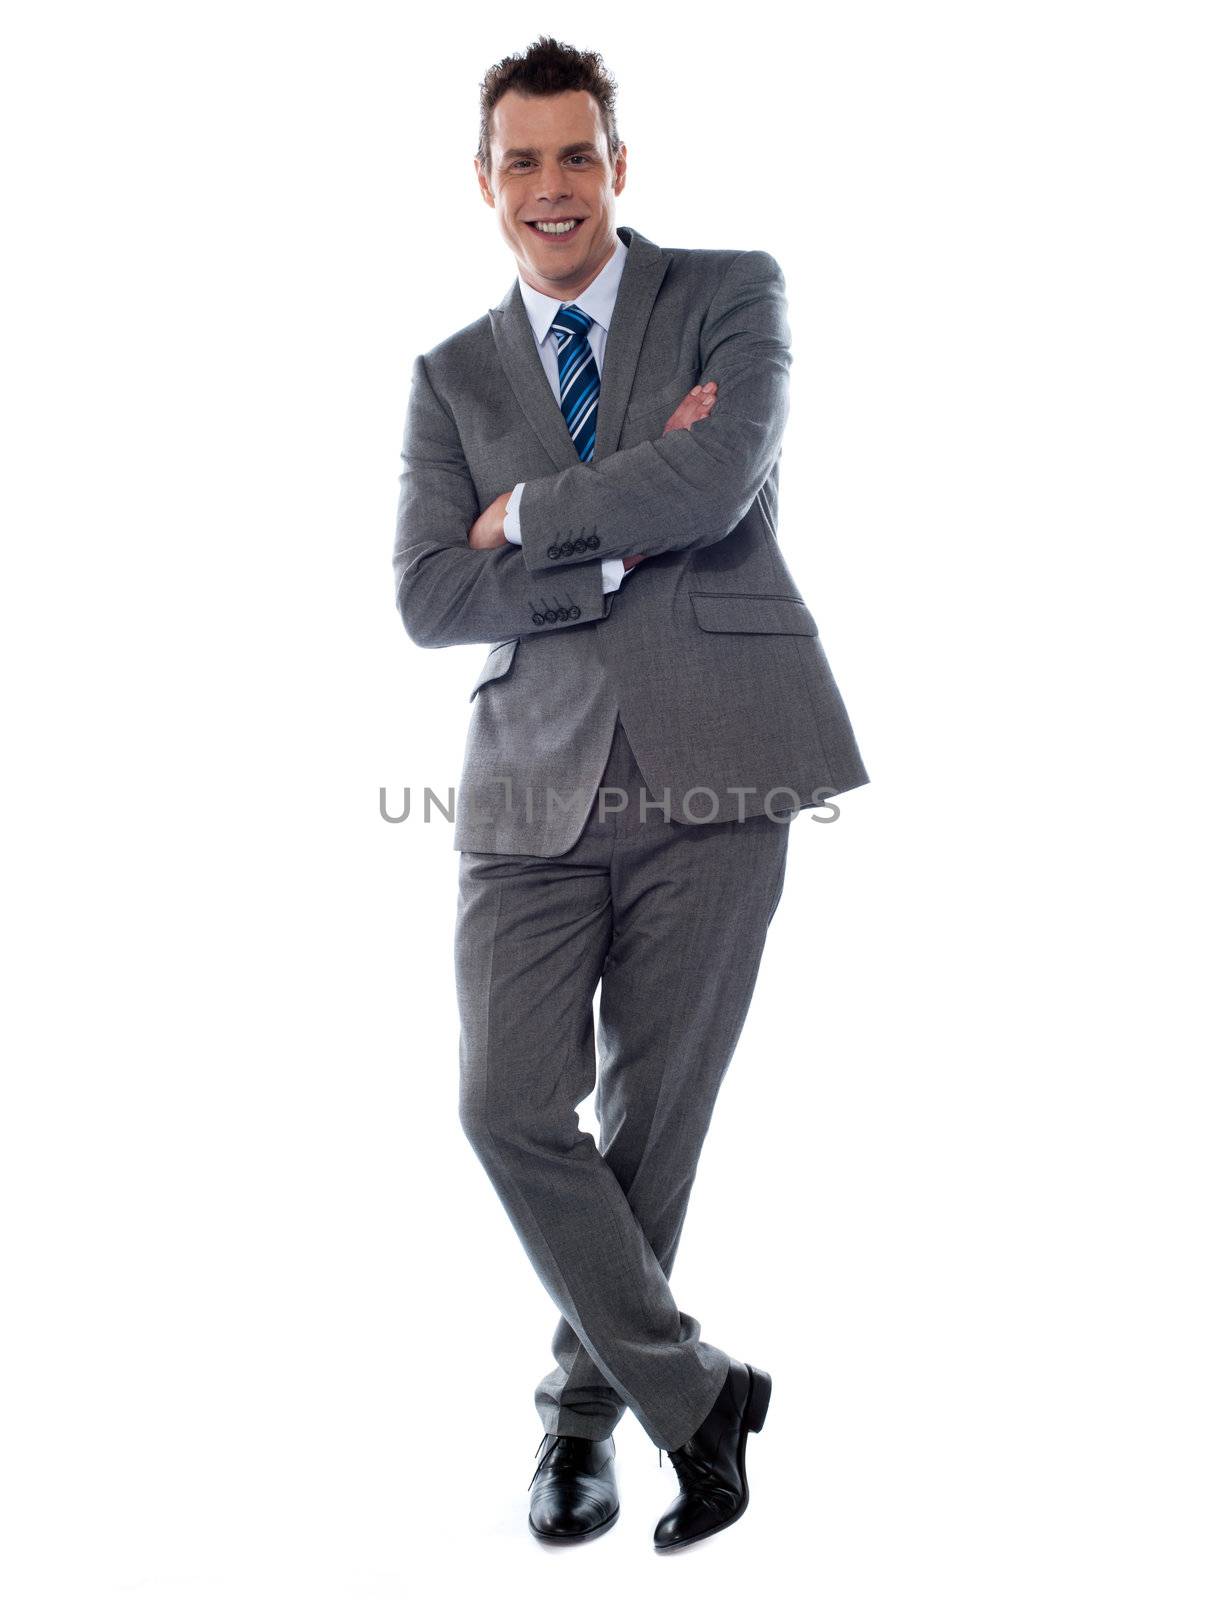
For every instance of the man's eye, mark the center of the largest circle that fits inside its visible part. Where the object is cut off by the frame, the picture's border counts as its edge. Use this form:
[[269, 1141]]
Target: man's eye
[[522, 162]]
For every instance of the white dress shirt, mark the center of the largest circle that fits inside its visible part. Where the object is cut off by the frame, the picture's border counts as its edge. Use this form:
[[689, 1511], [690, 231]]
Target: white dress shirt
[[597, 301]]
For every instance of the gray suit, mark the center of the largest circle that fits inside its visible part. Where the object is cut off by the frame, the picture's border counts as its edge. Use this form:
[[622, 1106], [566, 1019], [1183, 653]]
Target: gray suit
[[707, 653], [701, 687]]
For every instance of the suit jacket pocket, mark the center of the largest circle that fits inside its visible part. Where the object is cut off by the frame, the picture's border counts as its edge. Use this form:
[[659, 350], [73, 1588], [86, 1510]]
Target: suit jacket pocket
[[500, 659], [751, 613]]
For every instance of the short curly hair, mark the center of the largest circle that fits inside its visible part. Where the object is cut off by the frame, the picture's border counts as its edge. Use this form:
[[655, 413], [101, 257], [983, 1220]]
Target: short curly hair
[[548, 67]]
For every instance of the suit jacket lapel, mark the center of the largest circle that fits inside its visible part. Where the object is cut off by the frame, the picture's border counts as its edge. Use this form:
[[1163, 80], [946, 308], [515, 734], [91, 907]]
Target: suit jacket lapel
[[643, 273], [519, 356]]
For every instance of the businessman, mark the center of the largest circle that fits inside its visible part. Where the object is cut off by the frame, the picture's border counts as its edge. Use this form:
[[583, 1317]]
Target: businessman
[[590, 486]]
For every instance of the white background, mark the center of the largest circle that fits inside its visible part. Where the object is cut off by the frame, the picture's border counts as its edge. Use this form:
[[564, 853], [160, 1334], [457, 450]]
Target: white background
[[268, 1332]]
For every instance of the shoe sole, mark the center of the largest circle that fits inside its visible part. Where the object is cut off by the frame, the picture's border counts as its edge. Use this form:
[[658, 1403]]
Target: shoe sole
[[578, 1537], [757, 1403]]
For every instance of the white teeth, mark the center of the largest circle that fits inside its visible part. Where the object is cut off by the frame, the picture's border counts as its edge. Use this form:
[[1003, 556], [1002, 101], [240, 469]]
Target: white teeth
[[556, 227]]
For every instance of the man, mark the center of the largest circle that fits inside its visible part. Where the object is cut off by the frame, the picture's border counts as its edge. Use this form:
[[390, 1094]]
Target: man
[[590, 484]]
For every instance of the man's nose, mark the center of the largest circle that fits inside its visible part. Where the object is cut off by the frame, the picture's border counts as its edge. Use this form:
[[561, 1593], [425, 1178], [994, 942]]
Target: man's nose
[[553, 183]]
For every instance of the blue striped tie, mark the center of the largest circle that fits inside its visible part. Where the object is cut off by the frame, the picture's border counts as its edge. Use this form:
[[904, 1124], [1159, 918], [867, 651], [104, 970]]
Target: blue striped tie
[[579, 380]]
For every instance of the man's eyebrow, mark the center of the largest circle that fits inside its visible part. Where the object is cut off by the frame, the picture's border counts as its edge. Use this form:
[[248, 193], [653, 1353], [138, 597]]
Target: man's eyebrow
[[568, 150]]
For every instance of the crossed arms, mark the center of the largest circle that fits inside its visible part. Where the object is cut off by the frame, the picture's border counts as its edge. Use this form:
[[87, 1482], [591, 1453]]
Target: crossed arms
[[683, 491]]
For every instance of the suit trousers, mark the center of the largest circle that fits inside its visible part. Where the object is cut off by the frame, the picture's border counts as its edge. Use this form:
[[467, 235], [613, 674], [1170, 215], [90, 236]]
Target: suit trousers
[[671, 919]]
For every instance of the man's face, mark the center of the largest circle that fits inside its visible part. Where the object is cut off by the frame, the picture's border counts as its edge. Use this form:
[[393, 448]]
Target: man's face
[[550, 164]]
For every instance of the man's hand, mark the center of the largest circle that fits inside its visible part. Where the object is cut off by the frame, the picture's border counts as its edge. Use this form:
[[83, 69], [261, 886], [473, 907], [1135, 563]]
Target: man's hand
[[692, 409], [488, 530]]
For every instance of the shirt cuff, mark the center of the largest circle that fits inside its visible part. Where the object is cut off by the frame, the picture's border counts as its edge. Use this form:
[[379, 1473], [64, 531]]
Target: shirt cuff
[[613, 573], [513, 523]]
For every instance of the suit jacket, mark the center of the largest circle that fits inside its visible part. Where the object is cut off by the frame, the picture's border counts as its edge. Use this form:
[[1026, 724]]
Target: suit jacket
[[707, 652]]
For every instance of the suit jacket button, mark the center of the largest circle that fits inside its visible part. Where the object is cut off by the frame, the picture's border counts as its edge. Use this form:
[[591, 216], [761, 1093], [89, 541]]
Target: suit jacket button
[[566, 548], [593, 541], [550, 616], [574, 612], [562, 613], [578, 545], [553, 550], [537, 618]]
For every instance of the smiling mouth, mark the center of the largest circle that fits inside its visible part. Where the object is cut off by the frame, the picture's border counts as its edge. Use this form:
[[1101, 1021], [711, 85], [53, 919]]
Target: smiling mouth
[[557, 227]]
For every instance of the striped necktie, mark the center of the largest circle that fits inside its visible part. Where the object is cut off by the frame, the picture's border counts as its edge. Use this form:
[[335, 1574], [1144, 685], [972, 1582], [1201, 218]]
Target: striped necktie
[[579, 380]]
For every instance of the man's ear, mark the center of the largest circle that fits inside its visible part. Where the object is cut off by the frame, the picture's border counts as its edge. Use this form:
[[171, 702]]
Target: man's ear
[[485, 183], [620, 169]]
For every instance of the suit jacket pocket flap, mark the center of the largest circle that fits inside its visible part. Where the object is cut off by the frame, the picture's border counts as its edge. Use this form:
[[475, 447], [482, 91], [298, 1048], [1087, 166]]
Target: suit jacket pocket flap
[[752, 613], [500, 659]]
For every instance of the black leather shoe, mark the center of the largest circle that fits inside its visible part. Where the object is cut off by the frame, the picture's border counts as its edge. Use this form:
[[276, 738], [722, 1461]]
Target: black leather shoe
[[573, 1494], [711, 1464]]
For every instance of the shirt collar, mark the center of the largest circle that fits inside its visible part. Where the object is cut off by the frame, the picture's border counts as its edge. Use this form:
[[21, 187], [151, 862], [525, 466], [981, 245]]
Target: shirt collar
[[597, 301]]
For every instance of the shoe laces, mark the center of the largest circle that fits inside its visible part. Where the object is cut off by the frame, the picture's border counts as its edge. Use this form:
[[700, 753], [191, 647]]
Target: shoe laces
[[697, 1475], [555, 1439]]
